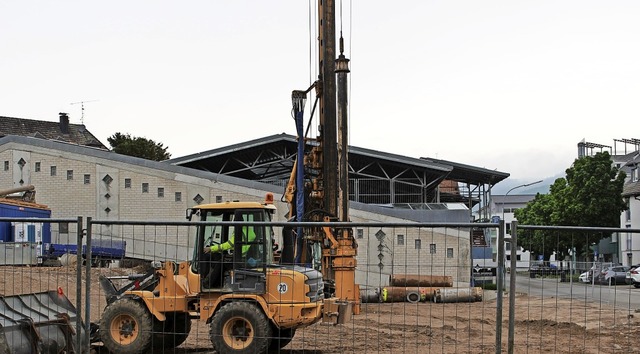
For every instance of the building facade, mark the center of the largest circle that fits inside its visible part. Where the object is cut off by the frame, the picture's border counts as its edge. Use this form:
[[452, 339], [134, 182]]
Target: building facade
[[629, 243], [83, 181], [503, 207]]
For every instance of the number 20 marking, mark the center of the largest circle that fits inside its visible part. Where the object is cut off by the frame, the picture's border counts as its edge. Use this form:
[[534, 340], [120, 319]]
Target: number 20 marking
[[282, 288]]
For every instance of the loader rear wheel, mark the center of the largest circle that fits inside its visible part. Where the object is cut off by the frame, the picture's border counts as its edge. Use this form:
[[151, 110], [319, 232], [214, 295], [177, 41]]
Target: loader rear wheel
[[241, 328], [281, 337], [125, 327], [171, 332]]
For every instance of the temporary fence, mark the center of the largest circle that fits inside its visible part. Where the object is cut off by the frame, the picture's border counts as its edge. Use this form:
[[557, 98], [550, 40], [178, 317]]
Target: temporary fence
[[424, 288]]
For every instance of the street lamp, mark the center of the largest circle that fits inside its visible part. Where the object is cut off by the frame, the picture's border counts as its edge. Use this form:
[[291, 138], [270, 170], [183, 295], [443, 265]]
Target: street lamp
[[509, 191]]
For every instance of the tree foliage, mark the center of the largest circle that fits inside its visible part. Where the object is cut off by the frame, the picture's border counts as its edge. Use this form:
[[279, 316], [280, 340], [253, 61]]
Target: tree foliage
[[590, 195], [139, 147]]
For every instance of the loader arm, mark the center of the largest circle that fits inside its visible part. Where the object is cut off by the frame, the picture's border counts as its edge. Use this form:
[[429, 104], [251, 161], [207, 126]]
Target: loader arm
[[146, 281]]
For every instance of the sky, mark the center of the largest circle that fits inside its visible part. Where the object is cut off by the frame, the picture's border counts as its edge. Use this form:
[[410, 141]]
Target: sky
[[511, 86]]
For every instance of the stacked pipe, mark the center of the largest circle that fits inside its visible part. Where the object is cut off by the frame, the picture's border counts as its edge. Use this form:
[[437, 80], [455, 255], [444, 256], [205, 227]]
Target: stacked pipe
[[420, 280], [458, 295], [409, 294], [415, 288]]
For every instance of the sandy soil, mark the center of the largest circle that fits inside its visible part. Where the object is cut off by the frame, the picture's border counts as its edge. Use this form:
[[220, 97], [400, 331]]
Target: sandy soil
[[549, 325]]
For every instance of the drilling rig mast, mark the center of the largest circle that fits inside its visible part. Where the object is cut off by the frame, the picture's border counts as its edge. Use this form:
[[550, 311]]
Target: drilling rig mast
[[318, 187]]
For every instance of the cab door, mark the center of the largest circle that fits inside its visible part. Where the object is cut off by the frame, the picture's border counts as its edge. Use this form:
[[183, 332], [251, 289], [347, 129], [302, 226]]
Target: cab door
[[250, 251]]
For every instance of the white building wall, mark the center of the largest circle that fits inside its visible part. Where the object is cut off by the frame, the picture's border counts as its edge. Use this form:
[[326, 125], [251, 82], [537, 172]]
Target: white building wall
[[109, 196], [406, 258], [525, 256], [629, 243]]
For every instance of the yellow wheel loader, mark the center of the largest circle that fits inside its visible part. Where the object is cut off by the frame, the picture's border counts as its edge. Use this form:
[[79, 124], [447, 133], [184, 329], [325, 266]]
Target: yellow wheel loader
[[253, 306]]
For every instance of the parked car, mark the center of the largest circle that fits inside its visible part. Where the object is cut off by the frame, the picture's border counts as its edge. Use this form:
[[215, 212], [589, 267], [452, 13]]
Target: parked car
[[585, 277], [633, 276], [542, 269], [613, 275]]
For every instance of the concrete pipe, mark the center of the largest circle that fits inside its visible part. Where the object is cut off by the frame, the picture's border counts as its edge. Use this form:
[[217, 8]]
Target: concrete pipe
[[458, 295], [371, 295], [420, 280], [69, 259], [401, 293], [413, 297]]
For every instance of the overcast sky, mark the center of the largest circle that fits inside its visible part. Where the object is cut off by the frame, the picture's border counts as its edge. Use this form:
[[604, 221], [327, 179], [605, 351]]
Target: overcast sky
[[505, 85]]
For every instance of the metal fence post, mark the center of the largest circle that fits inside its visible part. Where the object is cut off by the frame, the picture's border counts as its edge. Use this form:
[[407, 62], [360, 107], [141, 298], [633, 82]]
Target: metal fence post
[[79, 343], [87, 312], [512, 285], [499, 287]]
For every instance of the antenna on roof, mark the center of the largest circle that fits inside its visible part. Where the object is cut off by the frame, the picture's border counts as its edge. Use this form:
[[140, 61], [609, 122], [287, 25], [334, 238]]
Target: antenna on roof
[[82, 108]]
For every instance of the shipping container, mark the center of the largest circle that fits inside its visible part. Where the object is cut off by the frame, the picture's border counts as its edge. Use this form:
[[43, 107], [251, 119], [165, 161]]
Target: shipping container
[[36, 236]]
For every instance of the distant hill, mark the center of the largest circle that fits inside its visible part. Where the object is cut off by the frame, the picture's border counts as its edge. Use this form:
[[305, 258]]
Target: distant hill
[[542, 187]]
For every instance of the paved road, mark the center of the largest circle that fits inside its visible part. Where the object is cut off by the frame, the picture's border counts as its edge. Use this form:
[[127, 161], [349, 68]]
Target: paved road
[[620, 296]]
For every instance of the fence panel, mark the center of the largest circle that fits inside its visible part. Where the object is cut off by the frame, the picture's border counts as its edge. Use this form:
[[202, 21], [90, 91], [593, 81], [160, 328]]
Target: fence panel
[[569, 300], [424, 288], [415, 283], [42, 302]]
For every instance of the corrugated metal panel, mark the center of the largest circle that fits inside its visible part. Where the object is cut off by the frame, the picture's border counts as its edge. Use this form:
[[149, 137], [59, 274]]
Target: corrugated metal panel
[[41, 321]]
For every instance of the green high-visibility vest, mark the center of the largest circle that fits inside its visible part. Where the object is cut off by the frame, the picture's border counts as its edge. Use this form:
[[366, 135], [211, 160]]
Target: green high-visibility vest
[[225, 246]]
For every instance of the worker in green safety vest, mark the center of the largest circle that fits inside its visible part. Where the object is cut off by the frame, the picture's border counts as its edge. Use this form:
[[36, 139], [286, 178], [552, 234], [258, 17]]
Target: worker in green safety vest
[[220, 263], [225, 246]]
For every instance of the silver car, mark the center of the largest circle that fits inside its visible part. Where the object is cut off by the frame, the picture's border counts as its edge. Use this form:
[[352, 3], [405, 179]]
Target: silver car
[[613, 275]]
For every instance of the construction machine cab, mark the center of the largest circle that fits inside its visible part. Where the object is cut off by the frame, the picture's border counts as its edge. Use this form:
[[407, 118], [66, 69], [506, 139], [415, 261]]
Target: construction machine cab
[[238, 232]]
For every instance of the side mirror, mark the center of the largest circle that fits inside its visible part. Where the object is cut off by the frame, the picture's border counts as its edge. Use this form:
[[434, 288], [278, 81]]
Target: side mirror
[[190, 213]]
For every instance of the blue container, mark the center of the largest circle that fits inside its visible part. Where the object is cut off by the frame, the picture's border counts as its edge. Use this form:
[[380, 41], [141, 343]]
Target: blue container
[[7, 229]]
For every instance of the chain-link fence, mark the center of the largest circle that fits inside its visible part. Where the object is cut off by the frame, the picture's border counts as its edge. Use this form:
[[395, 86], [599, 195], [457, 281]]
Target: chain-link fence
[[423, 288]]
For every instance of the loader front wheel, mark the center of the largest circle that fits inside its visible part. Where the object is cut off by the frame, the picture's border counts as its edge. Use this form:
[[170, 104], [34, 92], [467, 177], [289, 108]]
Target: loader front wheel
[[240, 328], [125, 327], [171, 332], [281, 337]]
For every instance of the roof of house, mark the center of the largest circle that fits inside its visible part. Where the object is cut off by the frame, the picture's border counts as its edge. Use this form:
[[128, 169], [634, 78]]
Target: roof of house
[[58, 131], [631, 188], [626, 159]]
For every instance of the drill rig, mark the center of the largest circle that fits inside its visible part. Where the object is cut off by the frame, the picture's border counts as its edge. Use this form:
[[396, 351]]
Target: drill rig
[[318, 185]]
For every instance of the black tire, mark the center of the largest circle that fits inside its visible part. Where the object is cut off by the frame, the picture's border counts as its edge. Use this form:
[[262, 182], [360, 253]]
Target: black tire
[[125, 327], [171, 332], [281, 337], [636, 285], [240, 328]]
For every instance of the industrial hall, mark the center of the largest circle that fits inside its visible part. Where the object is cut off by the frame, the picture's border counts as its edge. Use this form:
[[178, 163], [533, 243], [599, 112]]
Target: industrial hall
[[74, 174]]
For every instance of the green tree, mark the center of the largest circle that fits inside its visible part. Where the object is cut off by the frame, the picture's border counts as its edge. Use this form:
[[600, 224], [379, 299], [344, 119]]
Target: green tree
[[590, 195], [139, 147]]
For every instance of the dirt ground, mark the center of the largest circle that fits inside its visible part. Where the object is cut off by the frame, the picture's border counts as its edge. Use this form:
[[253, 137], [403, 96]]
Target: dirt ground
[[542, 325]]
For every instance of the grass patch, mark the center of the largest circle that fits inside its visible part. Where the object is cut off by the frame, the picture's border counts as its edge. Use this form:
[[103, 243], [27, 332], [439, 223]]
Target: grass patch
[[488, 286]]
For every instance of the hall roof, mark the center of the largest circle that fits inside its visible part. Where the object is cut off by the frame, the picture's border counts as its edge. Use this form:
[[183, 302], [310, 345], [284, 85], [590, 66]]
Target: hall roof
[[271, 158]]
